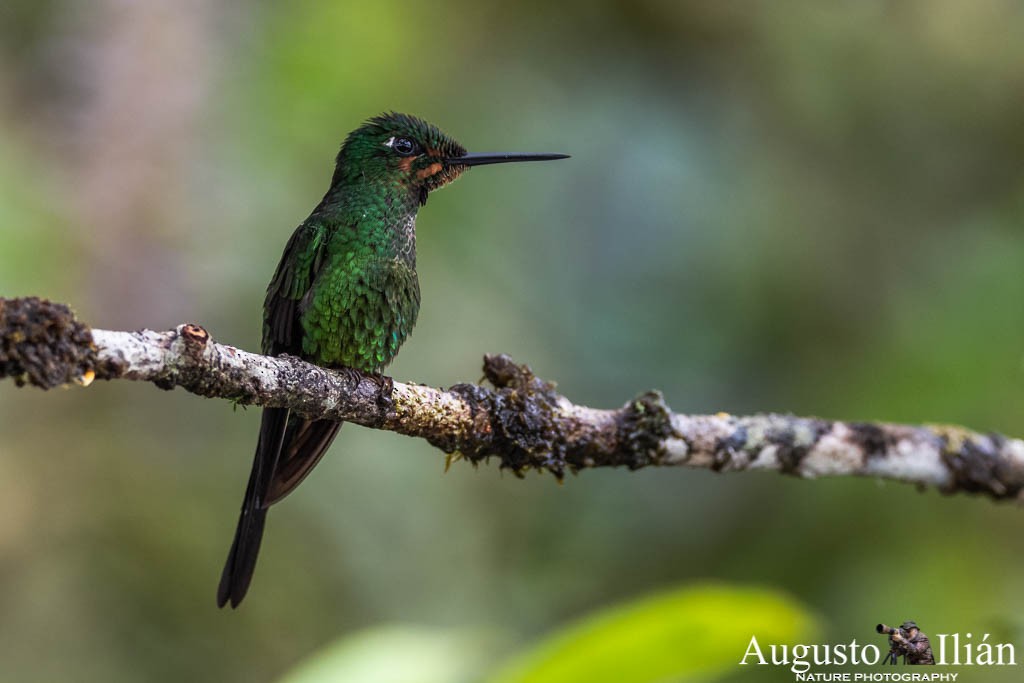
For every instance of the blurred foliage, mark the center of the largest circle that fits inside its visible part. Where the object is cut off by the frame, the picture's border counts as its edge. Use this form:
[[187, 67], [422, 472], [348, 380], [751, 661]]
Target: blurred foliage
[[397, 654], [684, 635], [790, 206], [681, 635]]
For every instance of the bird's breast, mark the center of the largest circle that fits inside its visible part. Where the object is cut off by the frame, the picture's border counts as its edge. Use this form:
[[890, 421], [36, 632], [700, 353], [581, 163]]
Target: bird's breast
[[360, 312]]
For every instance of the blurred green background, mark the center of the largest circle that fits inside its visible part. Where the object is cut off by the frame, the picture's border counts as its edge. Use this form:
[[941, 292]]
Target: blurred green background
[[788, 206]]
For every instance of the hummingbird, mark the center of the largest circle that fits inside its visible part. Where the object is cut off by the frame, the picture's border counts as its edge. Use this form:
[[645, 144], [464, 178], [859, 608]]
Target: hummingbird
[[345, 295]]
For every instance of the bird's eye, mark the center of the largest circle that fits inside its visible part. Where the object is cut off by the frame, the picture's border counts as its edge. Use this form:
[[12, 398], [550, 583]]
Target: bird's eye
[[404, 146]]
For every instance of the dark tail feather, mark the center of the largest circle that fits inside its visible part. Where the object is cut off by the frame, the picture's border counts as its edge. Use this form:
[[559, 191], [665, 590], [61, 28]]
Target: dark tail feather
[[237, 574], [289, 447], [234, 580]]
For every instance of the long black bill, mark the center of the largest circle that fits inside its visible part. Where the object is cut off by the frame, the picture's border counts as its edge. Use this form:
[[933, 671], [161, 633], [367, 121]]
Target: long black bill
[[482, 159]]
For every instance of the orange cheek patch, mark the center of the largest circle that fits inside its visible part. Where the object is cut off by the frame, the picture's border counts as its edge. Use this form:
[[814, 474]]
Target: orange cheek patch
[[433, 169], [405, 164]]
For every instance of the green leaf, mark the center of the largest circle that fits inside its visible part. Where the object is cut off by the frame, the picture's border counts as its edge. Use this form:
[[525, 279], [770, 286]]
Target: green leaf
[[690, 634], [398, 654]]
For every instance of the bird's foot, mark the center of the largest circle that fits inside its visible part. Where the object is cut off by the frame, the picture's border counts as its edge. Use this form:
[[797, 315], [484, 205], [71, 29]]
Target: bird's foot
[[350, 374], [386, 389]]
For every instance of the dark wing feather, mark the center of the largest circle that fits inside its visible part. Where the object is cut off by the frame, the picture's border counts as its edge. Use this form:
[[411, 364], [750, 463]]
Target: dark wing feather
[[289, 446], [306, 443], [295, 273]]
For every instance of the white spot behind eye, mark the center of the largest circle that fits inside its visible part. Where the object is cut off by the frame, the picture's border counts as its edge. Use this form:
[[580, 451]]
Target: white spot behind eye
[[390, 142]]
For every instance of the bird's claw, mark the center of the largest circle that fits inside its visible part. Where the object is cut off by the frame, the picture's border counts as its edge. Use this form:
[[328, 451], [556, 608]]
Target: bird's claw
[[386, 389], [351, 374]]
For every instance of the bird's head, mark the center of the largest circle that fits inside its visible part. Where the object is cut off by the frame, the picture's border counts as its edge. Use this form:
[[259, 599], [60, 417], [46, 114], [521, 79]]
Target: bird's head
[[406, 152]]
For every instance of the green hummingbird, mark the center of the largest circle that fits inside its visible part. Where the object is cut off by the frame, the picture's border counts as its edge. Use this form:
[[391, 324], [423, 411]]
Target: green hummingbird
[[345, 295]]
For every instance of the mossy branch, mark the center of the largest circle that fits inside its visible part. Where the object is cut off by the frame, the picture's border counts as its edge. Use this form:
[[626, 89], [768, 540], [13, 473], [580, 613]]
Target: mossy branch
[[519, 419]]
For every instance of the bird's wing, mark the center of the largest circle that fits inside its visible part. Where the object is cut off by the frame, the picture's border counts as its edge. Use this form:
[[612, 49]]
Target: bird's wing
[[299, 265], [282, 333], [306, 441], [303, 447]]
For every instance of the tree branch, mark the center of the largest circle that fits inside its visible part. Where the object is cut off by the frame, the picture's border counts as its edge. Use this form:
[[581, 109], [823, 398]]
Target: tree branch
[[520, 419]]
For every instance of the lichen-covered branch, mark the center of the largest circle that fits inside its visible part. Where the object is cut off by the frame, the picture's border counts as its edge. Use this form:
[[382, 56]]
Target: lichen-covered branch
[[519, 419]]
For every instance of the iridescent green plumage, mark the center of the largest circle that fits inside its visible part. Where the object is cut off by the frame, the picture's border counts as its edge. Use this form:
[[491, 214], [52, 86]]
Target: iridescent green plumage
[[350, 268], [345, 294]]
